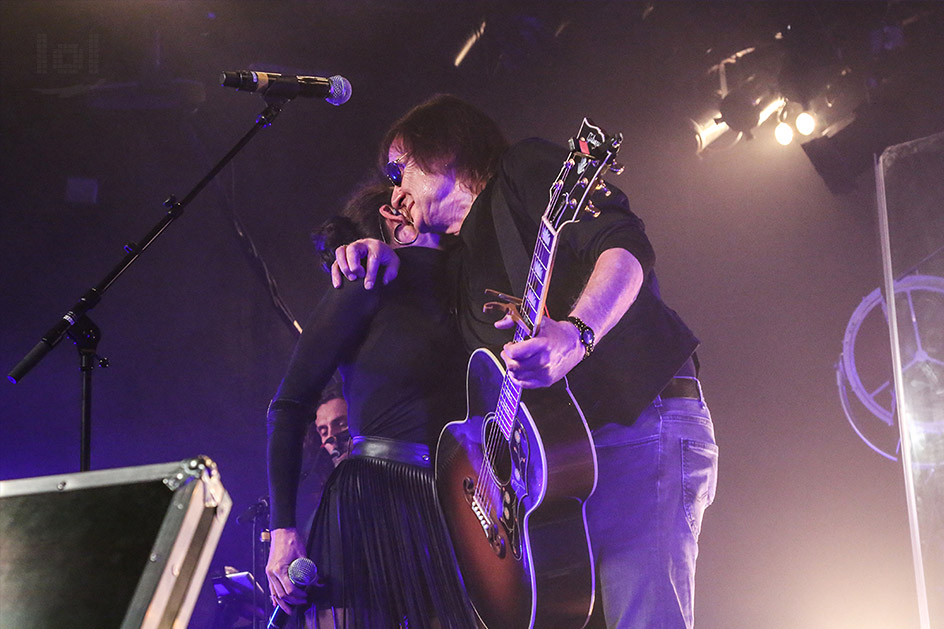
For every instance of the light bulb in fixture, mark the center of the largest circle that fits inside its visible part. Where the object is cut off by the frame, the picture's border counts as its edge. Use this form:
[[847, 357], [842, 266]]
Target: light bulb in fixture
[[805, 123]]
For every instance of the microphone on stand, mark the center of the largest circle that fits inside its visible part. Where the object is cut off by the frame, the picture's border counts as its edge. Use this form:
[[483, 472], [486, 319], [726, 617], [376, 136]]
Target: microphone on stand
[[258, 509], [335, 89], [302, 572]]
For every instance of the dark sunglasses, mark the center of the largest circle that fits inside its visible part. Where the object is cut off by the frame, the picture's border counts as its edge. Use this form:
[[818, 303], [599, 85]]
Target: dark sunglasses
[[394, 171]]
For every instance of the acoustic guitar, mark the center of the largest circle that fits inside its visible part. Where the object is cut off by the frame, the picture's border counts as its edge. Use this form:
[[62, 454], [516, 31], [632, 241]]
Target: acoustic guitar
[[513, 478]]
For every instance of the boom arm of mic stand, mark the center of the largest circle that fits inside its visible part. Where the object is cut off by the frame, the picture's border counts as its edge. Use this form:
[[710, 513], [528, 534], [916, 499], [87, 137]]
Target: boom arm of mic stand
[[133, 250]]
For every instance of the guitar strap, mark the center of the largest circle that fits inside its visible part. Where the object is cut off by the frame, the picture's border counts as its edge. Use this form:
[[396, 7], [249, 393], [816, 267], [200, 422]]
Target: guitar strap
[[509, 239]]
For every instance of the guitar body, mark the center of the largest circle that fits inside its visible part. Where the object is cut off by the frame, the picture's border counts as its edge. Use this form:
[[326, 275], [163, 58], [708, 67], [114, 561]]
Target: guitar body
[[518, 520]]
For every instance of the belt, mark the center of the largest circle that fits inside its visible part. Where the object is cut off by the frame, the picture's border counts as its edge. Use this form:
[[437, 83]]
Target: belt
[[682, 387], [392, 449]]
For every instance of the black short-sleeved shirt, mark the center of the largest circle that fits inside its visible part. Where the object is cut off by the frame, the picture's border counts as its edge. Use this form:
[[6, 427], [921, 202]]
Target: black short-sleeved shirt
[[399, 352], [634, 361]]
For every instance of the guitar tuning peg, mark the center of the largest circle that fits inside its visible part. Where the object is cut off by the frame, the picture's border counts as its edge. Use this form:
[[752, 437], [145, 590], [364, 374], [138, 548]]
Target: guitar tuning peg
[[601, 187], [616, 168], [591, 209]]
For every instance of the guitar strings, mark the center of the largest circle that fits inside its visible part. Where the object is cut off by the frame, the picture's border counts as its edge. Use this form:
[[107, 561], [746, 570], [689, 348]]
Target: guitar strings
[[507, 407]]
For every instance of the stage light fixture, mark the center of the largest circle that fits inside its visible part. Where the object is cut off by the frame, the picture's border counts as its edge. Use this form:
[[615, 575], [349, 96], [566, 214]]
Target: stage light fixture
[[784, 133], [805, 123], [708, 129], [749, 106]]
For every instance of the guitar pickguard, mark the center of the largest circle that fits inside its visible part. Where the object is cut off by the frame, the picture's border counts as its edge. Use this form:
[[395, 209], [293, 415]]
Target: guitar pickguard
[[507, 469], [516, 491]]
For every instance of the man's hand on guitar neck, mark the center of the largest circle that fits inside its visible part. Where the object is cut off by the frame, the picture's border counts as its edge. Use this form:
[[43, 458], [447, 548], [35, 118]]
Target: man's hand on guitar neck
[[544, 359], [363, 258], [556, 349]]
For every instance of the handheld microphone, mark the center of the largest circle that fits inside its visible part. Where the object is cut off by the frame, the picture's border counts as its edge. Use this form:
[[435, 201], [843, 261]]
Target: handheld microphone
[[341, 443], [335, 89], [302, 572]]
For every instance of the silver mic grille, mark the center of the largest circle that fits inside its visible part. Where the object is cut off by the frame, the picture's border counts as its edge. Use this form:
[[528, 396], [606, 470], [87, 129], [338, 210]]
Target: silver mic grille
[[340, 90], [302, 572]]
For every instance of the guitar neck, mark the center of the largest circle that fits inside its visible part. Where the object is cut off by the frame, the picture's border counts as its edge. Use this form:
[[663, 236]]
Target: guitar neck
[[535, 293], [532, 311], [591, 152]]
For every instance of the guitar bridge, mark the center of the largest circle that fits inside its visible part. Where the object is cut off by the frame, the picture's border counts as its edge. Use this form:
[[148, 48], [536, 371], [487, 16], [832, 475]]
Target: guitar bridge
[[490, 530]]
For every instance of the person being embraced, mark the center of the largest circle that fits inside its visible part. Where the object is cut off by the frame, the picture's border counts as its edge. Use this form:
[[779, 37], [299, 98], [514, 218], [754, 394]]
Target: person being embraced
[[378, 538]]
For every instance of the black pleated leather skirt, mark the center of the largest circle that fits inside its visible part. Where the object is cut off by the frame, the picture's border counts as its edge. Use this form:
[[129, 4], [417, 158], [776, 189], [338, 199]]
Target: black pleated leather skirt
[[383, 553]]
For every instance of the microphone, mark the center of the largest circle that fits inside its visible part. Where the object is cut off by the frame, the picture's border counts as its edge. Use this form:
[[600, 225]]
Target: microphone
[[302, 572], [341, 443], [335, 89]]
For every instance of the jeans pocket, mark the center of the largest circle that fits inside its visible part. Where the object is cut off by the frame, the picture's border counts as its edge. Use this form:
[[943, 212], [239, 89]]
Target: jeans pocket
[[699, 480]]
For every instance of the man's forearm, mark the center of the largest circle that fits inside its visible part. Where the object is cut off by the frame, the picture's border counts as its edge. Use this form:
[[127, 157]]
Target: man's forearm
[[612, 288]]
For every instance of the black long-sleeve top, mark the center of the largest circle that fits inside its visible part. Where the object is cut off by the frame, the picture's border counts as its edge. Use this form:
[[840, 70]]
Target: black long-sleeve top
[[401, 358]]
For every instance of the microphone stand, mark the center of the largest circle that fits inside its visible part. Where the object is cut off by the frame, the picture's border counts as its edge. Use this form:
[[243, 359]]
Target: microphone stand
[[261, 541], [86, 335], [76, 324]]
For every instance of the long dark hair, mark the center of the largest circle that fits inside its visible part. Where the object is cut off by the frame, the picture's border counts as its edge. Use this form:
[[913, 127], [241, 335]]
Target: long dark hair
[[447, 132], [358, 219]]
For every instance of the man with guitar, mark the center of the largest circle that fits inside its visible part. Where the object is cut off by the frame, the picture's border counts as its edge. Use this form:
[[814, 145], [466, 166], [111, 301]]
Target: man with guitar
[[627, 358]]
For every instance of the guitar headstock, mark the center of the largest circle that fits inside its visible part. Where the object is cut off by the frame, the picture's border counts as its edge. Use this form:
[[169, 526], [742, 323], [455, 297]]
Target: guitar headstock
[[592, 153]]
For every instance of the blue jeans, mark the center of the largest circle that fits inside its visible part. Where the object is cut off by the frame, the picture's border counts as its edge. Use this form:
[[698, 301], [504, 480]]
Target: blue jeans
[[656, 478]]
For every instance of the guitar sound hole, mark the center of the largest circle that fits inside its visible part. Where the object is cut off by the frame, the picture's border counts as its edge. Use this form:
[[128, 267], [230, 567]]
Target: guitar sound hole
[[498, 453]]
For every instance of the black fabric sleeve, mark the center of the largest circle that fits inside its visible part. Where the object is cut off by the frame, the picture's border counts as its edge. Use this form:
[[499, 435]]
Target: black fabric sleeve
[[529, 168], [334, 330]]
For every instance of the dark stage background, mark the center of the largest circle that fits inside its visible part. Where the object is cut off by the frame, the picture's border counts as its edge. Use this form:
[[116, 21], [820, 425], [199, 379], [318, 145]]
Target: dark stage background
[[109, 107]]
